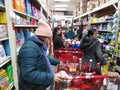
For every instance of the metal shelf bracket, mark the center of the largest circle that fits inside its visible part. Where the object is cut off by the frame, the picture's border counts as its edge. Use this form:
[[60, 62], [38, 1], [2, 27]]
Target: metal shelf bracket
[[115, 7]]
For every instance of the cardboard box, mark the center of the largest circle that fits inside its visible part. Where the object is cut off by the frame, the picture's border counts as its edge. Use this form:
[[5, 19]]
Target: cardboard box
[[101, 2]]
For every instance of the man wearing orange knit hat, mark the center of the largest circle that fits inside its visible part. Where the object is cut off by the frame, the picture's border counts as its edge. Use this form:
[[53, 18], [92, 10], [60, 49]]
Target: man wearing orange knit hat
[[35, 66]]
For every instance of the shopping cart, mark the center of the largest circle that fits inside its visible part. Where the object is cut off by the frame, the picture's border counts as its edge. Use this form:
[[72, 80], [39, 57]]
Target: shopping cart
[[83, 83], [79, 81]]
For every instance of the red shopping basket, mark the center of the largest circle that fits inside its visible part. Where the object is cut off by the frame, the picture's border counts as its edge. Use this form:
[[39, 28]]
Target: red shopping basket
[[70, 49], [58, 53], [84, 83], [69, 58]]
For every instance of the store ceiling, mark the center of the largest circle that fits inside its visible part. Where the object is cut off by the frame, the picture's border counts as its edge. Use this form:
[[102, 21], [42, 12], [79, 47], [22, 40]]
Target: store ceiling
[[63, 5], [63, 9]]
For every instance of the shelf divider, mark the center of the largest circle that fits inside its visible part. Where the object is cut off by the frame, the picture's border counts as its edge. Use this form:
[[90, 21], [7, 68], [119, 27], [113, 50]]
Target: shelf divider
[[5, 61]]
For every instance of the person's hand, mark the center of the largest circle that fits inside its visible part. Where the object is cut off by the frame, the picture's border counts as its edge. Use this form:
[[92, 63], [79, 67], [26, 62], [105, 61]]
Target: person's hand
[[58, 77], [114, 77], [112, 74]]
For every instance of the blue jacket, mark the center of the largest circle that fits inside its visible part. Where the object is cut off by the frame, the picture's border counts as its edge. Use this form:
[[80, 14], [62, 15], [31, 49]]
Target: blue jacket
[[69, 35], [33, 66]]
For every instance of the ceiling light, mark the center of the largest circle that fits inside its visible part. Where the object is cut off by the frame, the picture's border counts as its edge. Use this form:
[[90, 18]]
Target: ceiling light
[[62, 0], [60, 9], [61, 5]]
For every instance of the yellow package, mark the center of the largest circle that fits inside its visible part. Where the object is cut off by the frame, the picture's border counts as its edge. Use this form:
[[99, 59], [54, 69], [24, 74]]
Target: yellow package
[[105, 69], [3, 19], [4, 80]]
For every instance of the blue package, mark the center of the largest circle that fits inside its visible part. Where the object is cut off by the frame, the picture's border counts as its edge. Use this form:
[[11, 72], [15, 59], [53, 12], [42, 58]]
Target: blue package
[[26, 33], [6, 47], [3, 1]]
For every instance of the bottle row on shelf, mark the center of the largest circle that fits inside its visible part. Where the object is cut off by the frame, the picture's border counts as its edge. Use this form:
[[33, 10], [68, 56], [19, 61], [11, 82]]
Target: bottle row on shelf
[[18, 20], [27, 7], [25, 21], [22, 34]]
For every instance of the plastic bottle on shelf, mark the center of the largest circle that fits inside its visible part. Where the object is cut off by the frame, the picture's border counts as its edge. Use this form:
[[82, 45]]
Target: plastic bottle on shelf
[[3, 19], [80, 64], [118, 37], [28, 7], [28, 20], [17, 4], [32, 9], [6, 47], [2, 53], [22, 5]]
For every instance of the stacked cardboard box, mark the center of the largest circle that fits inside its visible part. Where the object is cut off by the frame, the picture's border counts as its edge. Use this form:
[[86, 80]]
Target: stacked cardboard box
[[101, 2], [92, 4], [83, 6]]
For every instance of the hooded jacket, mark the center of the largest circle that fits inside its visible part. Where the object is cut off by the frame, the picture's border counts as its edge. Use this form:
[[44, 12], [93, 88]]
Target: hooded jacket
[[33, 66], [92, 50]]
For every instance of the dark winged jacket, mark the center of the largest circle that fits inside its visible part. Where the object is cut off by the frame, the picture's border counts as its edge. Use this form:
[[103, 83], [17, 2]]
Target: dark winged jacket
[[92, 50]]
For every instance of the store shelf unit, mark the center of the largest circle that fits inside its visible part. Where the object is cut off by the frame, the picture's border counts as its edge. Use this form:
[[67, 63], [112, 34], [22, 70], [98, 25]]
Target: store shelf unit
[[4, 62], [10, 86], [44, 10], [105, 31], [94, 18], [5, 38], [98, 17], [104, 6], [24, 14], [26, 26], [102, 22], [2, 7], [14, 25]]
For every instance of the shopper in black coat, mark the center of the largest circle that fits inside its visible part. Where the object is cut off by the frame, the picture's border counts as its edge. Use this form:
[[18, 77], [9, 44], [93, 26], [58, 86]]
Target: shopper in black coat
[[57, 38], [91, 49]]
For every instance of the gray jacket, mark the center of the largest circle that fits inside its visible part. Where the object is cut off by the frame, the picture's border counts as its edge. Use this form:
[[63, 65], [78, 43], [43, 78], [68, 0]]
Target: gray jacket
[[92, 50]]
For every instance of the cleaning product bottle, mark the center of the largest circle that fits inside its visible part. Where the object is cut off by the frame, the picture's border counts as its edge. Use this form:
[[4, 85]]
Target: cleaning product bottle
[[16, 4], [6, 47], [2, 53], [22, 5], [10, 73]]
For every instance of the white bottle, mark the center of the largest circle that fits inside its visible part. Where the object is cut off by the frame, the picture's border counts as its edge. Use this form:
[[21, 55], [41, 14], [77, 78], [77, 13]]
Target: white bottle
[[90, 65], [80, 64]]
